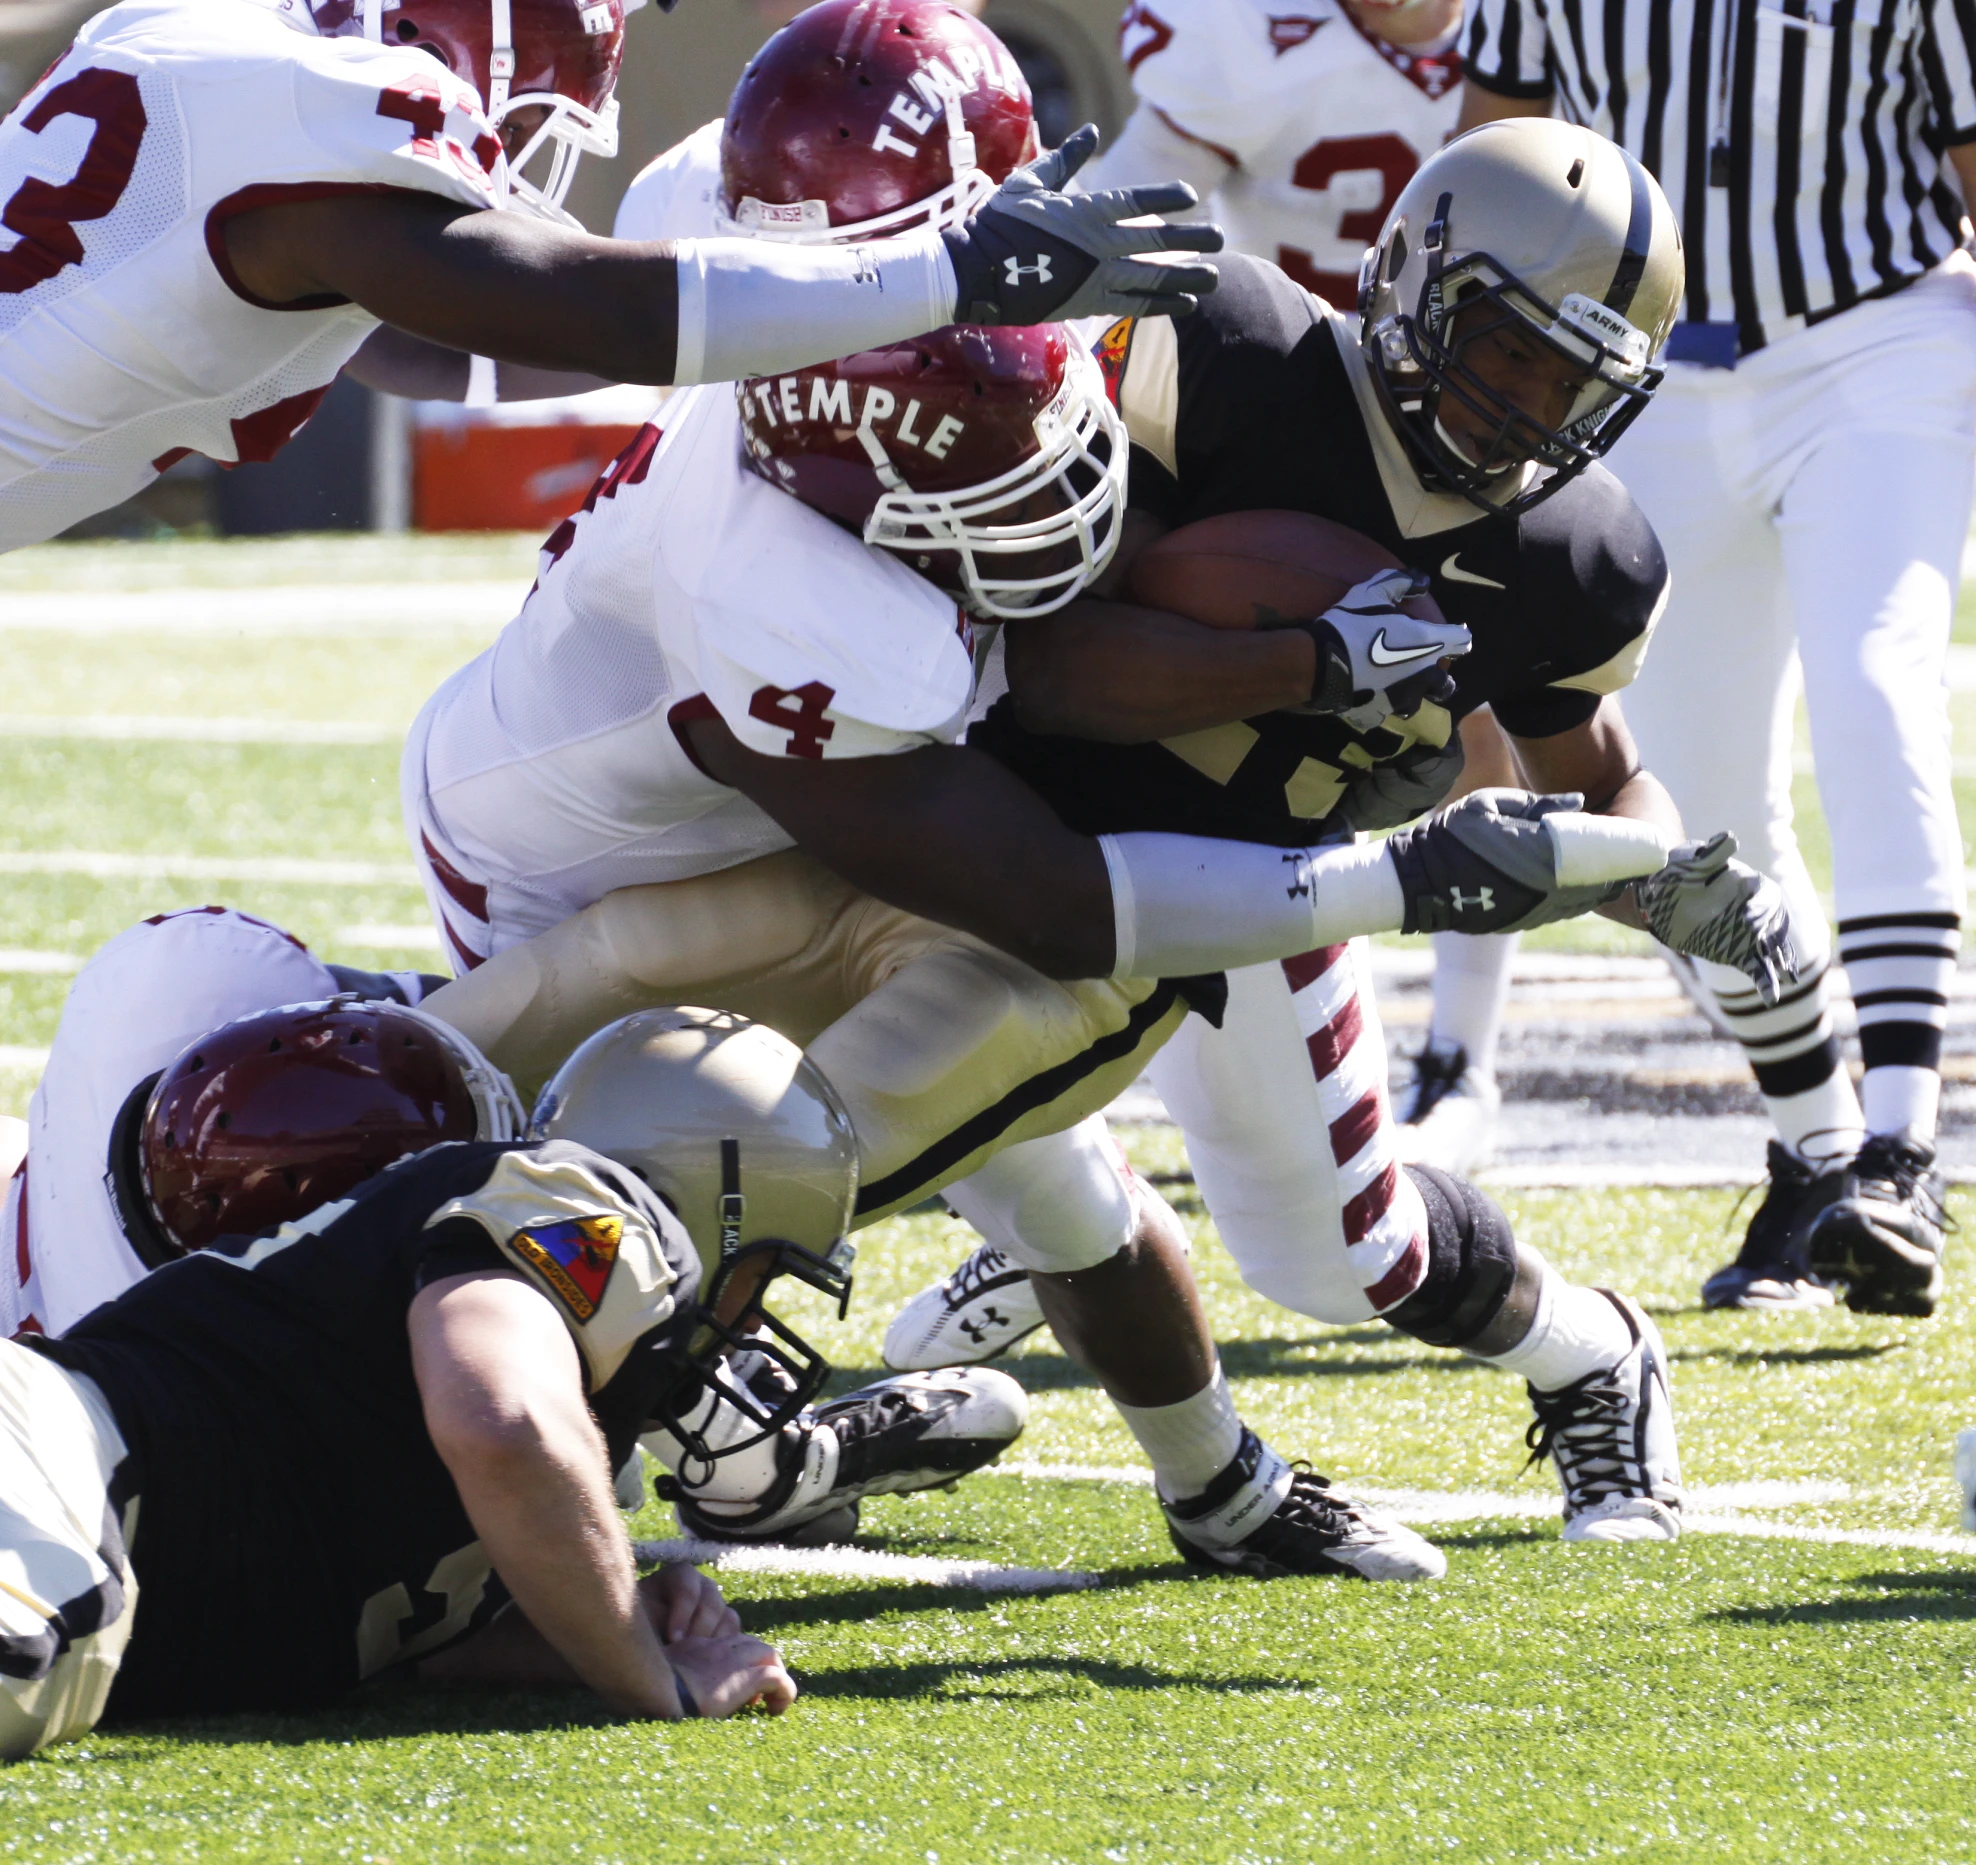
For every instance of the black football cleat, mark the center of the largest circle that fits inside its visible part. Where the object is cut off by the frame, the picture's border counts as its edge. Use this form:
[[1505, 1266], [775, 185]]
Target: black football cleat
[[1882, 1236], [1773, 1269], [1271, 1519], [919, 1431]]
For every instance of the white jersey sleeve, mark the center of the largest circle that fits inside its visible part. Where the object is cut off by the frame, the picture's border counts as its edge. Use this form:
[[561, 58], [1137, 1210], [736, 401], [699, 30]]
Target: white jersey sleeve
[[1323, 122], [125, 340], [555, 767], [676, 196], [132, 1009]]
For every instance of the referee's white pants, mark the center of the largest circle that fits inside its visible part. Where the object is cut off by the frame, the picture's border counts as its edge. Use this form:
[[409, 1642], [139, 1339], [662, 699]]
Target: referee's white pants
[[1816, 497]]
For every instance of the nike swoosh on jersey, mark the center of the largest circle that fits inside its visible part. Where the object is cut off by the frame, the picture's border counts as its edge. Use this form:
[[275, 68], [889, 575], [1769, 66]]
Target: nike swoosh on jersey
[[1456, 574], [1382, 656]]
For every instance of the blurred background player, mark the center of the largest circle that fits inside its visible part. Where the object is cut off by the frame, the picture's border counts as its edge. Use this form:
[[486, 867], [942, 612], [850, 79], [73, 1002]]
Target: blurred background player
[[1302, 129], [1807, 466]]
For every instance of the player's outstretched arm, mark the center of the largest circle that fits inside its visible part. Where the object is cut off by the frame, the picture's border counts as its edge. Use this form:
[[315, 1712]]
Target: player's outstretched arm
[[527, 291], [502, 1391]]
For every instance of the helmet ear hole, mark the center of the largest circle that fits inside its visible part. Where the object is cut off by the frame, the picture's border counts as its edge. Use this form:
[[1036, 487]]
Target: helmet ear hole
[[408, 31]]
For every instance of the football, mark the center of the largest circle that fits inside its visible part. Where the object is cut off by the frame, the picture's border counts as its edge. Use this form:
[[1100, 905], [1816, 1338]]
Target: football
[[1246, 569]]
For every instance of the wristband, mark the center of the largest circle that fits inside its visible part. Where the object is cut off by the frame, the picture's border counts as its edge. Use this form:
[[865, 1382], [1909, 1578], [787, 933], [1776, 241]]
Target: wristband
[[687, 1706]]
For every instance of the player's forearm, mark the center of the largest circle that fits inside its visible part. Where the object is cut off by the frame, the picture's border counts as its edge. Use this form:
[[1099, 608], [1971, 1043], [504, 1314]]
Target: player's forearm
[[395, 363], [1124, 675]]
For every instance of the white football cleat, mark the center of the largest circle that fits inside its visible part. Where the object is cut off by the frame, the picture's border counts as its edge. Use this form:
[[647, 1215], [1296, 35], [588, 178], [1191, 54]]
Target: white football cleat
[[1446, 1115], [1271, 1519], [1965, 1477], [919, 1431], [979, 1312], [1611, 1436]]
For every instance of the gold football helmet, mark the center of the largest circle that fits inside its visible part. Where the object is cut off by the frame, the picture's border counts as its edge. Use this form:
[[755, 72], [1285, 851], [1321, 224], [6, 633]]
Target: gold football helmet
[[1545, 223], [739, 1132]]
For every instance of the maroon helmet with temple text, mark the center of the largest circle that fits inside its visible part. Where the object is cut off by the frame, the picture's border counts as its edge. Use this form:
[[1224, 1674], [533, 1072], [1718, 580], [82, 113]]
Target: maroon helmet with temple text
[[272, 1116], [559, 58], [865, 118]]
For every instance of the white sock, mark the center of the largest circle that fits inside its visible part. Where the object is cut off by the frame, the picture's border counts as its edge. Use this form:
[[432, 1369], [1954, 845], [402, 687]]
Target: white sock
[[1577, 1331], [1189, 1444], [1471, 986], [1898, 1098], [1823, 1124]]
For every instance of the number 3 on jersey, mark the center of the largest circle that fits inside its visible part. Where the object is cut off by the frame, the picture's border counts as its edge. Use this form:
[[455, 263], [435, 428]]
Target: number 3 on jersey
[[44, 214], [1364, 174]]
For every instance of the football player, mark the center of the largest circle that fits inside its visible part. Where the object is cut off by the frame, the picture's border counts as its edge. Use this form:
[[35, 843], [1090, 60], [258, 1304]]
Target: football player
[[1510, 316], [1301, 130], [171, 1114], [214, 202], [431, 1384]]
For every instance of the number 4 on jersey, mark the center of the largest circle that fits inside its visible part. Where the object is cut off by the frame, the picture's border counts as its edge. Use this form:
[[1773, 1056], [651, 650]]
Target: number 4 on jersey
[[800, 713]]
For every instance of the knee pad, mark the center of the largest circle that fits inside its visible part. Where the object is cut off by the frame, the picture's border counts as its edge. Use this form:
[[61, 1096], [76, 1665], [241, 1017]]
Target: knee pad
[[1480, 1285], [1056, 1204]]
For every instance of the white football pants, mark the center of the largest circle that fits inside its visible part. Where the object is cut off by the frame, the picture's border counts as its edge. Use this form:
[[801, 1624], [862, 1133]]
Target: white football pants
[[1814, 501]]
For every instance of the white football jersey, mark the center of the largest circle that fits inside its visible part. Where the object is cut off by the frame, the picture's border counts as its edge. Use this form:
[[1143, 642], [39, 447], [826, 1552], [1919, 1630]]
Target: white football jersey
[[125, 341], [676, 196], [1324, 123], [552, 769], [131, 1010]]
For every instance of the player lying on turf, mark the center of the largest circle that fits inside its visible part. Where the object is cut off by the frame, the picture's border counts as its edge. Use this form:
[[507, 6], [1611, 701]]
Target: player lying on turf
[[174, 1111], [1515, 302], [285, 1464], [219, 200]]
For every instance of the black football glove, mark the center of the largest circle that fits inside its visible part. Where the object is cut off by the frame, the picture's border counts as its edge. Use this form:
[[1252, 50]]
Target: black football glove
[[1495, 862], [1032, 254]]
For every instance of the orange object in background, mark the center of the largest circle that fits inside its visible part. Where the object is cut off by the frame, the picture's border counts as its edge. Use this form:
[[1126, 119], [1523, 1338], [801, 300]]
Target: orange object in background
[[484, 477]]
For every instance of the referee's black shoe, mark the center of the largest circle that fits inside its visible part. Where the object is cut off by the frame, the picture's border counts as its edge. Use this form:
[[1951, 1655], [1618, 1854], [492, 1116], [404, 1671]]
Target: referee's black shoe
[[1882, 1236], [1773, 1268]]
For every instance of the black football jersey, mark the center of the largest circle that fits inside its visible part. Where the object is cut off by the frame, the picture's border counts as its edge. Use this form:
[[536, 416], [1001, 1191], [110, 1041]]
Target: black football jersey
[[1260, 401], [296, 1530]]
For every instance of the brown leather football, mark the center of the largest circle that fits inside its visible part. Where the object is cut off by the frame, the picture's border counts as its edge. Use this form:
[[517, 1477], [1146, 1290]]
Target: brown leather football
[[1246, 569]]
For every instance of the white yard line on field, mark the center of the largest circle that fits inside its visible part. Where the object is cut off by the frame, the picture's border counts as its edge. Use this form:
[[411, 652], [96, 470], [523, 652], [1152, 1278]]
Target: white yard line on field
[[411, 938], [16, 960], [395, 609], [105, 867], [164, 728], [23, 1056], [840, 1563]]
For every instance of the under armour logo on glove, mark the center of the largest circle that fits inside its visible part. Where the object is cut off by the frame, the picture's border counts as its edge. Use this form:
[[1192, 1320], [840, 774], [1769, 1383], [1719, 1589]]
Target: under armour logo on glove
[[1032, 254], [1483, 900]]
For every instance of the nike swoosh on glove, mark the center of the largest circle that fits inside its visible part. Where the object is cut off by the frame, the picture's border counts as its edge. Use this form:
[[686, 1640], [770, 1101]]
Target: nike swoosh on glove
[[1495, 862], [1707, 904], [1375, 661], [1032, 254]]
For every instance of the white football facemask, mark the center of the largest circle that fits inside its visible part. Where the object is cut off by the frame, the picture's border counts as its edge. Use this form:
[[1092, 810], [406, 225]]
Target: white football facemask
[[918, 524]]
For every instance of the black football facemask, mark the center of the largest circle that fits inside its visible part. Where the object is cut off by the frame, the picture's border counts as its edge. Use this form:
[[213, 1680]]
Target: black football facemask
[[732, 1320], [1421, 360]]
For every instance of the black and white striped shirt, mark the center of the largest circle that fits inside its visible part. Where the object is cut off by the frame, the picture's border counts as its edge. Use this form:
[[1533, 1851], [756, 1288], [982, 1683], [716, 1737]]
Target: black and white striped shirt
[[1800, 143]]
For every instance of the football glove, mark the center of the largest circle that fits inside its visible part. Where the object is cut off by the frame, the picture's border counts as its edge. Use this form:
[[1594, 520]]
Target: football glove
[[1398, 790], [1032, 254], [1706, 904], [1505, 860], [1374, 661]]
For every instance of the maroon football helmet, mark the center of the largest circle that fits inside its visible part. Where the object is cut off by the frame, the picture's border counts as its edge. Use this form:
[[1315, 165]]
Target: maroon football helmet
[[557, 56], [274, 1115], [967, 452], [864, 118]]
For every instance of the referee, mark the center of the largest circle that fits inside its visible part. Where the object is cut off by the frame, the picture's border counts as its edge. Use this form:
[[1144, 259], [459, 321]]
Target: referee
[[1808, 467]]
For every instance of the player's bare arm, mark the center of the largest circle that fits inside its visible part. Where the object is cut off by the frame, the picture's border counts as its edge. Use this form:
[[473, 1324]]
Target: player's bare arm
[[502, 1390], [396, 363], [944, 832]]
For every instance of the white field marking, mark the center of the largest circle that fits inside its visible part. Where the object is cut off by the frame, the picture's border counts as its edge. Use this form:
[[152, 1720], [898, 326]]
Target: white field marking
[[422, 938], [210, 868], [24, 1056], [17, 960], [395, 609], [1666, 1172], [1759, 1530], [838, 1563], [160, 728]]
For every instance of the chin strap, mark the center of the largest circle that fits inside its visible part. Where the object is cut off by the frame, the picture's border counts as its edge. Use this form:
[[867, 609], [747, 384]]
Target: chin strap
[[501, 60], [374, 20]]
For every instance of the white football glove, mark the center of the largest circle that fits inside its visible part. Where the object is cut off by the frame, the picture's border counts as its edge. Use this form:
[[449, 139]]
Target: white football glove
[[1504, 860], [1033, 254], [1706, 904], [1375, 661]]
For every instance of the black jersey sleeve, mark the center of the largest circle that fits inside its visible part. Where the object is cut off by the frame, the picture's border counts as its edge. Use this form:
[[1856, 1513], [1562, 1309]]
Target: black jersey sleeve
[[1594, 581]]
